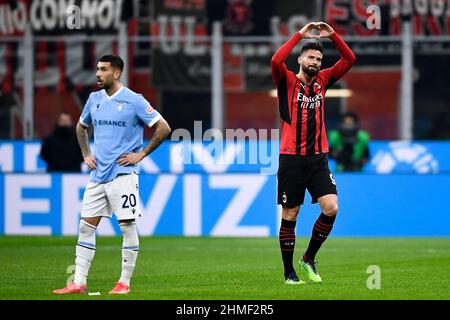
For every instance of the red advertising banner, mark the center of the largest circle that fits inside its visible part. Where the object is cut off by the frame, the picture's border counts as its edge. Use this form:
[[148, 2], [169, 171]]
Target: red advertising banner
[[357, 17], [13, 17], [56, 17]]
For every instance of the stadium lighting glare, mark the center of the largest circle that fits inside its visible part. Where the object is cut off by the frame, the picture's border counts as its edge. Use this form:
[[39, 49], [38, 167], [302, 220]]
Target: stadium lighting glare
[[339, 93], [332, 93]]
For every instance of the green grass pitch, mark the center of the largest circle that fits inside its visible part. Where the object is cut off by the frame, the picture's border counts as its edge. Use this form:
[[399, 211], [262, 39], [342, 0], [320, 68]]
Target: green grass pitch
[[177, 268]]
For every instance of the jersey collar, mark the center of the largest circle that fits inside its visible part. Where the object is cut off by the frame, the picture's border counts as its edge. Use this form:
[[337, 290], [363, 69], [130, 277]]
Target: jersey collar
[[115, 94]]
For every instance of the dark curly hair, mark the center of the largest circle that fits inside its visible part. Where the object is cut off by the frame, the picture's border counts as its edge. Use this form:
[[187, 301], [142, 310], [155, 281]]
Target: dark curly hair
[[312, 45], [116, 61]]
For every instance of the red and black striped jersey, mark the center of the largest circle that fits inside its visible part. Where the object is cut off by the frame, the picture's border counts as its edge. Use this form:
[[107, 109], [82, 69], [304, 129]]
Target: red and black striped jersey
[[301, 105]]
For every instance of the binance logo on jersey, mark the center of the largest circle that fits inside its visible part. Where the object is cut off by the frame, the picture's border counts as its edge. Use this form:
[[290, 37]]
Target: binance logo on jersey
[[110, 123]]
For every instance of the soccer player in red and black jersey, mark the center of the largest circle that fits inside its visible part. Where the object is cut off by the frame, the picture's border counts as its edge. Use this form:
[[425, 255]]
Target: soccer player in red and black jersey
[[303, 161]]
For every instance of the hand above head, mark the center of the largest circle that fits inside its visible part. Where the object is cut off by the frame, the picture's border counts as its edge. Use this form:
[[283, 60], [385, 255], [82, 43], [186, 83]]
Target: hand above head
[[325, 30], [306, 31]]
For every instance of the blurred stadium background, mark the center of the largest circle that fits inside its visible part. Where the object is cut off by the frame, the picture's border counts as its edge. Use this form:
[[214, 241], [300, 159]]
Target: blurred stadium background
[[209, 61]]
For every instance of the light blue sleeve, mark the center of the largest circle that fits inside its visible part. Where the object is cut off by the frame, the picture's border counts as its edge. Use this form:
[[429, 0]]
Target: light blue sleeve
[[145, 111], [85, 118]]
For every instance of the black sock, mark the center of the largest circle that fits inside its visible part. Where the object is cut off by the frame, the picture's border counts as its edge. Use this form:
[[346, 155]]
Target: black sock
[[320, 232], [287, 244]]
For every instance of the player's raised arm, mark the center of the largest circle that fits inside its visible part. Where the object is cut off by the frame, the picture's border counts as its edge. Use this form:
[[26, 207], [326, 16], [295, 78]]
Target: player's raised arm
[[279, 58], [347, 59]]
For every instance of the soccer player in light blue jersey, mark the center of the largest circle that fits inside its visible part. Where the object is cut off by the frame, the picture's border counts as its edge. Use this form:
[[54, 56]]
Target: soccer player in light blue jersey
[[119, 117]]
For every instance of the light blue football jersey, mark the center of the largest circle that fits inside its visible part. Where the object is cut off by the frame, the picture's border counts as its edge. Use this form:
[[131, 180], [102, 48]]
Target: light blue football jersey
[[119, 121]]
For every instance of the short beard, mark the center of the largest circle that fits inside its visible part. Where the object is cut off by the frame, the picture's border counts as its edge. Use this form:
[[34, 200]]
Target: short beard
[[310, 72], [105, 85]]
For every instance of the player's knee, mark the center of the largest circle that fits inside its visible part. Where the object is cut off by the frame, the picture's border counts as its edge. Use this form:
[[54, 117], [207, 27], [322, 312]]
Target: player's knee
[[290, 213], [86, 229], [128, 227], [129, 232], [94, 221], [331, 209]]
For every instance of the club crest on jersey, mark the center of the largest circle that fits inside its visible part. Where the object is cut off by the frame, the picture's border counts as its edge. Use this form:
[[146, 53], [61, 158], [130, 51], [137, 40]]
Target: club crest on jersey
[[149, 109], [119, 106], [316, 85]]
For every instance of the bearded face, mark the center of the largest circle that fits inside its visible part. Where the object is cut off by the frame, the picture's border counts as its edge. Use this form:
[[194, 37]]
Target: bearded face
[[310, 62], [106, 75], [310, 70]]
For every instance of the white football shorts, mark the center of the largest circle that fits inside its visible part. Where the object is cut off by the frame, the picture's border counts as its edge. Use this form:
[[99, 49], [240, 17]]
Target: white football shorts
[[120, 195]]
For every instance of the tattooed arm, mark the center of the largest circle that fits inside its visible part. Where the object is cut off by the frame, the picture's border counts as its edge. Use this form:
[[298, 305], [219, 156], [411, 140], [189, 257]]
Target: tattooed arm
[[83, 141], [161, 132]]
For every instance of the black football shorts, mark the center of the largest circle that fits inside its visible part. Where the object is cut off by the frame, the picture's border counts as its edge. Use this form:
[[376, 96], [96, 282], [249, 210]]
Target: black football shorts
[[298, 173]]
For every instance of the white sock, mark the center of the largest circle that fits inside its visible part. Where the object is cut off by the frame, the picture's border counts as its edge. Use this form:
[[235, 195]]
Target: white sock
[[85, 251], [130, 249]]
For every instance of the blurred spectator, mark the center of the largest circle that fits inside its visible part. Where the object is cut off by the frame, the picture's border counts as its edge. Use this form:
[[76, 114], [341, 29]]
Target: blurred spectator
[[349, 145], [60, 149]]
